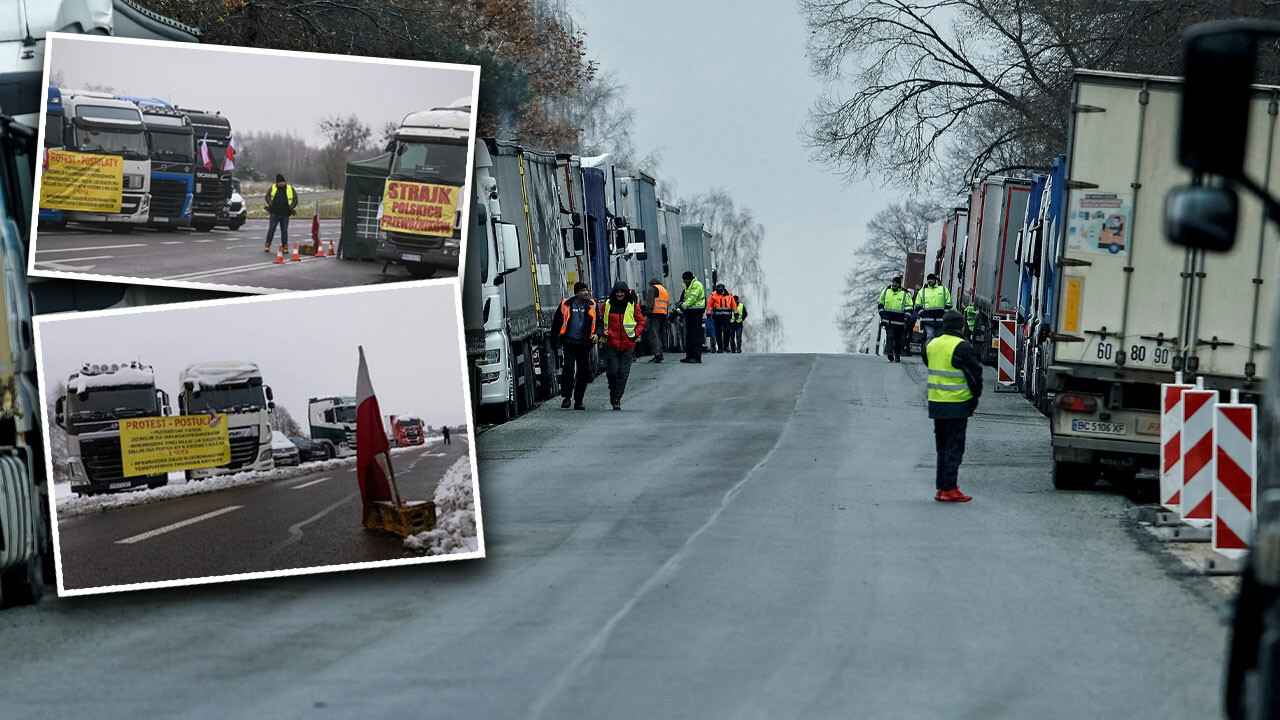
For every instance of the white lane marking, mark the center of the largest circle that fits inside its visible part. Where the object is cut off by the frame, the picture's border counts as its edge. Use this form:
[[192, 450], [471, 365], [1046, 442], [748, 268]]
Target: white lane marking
[[51, 265], [204, 241], [664, 573], [91, 247], [233, 247], [308, 484], [170, 242], [175, 526], [217, 271]]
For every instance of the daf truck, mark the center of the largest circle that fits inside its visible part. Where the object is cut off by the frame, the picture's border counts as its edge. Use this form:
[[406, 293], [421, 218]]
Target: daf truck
[[333, 423], [98, 124], [173, 157], [1131, 309], [430, 147], [98, 397], [212, 192], [237, 389]]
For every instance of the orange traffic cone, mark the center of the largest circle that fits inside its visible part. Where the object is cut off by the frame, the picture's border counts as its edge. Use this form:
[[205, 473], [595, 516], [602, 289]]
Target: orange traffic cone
[[295, 257], [279, 256], [332, 252], [320, 249]]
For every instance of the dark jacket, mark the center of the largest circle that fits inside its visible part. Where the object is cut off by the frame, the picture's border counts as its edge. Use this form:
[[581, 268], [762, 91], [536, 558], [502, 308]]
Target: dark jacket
[[966, 359], [578, 331], [279, 203]]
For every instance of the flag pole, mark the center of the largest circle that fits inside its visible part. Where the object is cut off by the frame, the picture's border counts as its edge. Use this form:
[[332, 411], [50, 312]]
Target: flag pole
[[392, 472]]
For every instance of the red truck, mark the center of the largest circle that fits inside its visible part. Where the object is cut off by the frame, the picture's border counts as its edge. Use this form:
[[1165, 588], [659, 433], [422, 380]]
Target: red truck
[[406, 430]]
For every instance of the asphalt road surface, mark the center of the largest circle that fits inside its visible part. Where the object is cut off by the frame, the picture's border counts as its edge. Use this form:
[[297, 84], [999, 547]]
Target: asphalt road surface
[[752, 537], [221, 257], [302, 522]]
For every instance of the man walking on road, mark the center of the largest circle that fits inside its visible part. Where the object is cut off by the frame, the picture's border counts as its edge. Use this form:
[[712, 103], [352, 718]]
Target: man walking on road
[[282, 202], [955, 384], [623, 322], [656, 302], [735, 324], [445, 432], [933, 301], [574, 329], [693, 303], [722, 306], [894, 303]]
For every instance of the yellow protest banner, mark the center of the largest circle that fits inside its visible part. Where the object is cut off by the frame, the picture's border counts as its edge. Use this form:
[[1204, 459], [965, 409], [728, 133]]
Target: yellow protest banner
[[153, 445], [419, 208], [79, 181]]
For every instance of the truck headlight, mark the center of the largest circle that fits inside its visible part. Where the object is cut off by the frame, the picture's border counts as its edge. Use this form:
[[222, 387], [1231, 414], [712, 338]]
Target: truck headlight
[[492, 356], [133, 182], [265, 455], [488, 377]]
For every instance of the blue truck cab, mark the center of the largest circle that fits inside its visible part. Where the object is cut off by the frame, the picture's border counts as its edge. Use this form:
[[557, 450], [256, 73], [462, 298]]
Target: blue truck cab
[[173, 157]]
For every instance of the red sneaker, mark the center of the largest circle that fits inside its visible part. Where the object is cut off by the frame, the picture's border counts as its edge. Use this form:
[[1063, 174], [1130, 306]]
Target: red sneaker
[[938, 496], [953, 495]]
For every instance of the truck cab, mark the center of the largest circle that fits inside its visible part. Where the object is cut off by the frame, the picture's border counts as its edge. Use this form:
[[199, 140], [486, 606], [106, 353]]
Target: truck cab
[[98, 397], [212, 191], [430, 147], [98, 124], [235, 388], [407, 430], [173, 157], [333, 423]]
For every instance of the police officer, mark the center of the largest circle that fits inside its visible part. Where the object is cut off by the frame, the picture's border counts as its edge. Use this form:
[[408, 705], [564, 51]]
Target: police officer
[[656, 302], [282, 202], [693, 303], [955, 384], [932, 302], [894, 304]]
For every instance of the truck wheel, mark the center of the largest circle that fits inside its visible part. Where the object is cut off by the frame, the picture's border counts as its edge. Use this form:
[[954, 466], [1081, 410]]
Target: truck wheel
[[421, 272], [23, 584], [1074, 476], [236, 226]]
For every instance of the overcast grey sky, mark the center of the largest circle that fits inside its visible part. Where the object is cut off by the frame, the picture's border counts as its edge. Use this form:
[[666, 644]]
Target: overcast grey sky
[[259, 92], [304, 346], [723, 88]]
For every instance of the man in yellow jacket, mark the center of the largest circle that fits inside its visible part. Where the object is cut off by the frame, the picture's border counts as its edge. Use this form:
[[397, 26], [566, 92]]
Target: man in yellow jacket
[[955, 384], [894, 304]]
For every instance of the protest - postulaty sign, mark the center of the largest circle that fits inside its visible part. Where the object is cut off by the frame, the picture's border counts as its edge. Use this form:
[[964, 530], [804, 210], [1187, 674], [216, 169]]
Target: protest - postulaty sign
[[153, 445], [83, 182]]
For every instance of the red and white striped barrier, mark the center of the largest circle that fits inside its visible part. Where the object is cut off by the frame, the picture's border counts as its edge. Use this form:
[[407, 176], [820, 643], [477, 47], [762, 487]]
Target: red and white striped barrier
[[1171, 441], [1196, 503], [1005, 358], [1235, 461]]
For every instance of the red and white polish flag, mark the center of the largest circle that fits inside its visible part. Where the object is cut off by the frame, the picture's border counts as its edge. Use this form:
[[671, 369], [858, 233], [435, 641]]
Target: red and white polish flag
[[204, 153], [371, 441], [229, 163]]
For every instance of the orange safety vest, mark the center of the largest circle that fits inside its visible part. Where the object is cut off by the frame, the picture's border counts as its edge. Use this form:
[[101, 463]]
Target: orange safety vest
[[661, 301], [564, 316]]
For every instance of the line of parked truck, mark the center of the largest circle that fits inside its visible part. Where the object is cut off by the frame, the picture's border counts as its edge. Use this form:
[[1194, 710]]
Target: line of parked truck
[[1106, 308], [167, 182], [542, 222]]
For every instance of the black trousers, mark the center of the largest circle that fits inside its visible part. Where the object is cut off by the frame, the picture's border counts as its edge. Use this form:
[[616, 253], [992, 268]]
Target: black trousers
[[735, 334], [948, 436], [693, 334], [576, 374], [655, 330], [617, 368], [893, 339], [722, 333]]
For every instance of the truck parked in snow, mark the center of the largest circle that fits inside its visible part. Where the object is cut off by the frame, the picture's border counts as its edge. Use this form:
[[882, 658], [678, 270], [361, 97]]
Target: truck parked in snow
[[431, 147], [333, 423], [98, 397], [237, 389], [405, 430]]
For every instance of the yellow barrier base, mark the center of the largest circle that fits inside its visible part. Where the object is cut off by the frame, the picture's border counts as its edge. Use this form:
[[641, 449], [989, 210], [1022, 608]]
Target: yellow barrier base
[[414, 516]]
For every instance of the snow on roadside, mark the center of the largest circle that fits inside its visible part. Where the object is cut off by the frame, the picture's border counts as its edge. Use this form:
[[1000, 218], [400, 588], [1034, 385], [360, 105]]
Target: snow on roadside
[[71, 506], [455, 529]]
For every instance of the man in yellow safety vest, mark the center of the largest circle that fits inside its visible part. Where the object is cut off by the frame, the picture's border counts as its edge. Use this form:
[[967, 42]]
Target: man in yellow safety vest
[[955, 384], [894, 303], [281, 204], [735, 324]]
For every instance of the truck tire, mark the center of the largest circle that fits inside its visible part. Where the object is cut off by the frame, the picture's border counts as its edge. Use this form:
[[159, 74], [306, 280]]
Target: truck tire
[[22, 584], [1074, 476], [236, 226], [421, 272]]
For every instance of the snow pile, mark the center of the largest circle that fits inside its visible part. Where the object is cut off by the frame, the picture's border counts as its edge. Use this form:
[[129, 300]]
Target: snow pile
[[102, 376], [72, 506], [212, 374], [455, 529]]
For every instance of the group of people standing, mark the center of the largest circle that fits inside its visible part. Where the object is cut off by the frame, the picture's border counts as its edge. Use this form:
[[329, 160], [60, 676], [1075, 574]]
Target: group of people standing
[[622, 318], [900, 308]]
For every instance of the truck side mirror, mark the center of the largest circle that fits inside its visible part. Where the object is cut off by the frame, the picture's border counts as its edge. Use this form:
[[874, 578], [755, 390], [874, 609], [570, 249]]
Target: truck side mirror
[[509, 241], [59, 411], [579, 240], [162, 400], [665, 258], [1218, 66], [620, 240], [270, 398], [1202, 217], [576, 219]]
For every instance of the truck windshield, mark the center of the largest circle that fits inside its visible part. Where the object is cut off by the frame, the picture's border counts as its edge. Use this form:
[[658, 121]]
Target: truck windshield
[[345, 414], [438, 162], [172, 146], [112, 142], [244, 398], [411, 424], [112, 403], [217, 153]]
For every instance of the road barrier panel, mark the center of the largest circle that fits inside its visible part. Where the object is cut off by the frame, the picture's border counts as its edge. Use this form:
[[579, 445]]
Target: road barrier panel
[[1005, 373], [1235, 476], [1171, 441], [1196, 503]]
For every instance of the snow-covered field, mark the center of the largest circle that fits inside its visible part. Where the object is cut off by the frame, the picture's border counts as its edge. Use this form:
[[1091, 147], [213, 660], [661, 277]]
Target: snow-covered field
[[455, 529], [71, 506]]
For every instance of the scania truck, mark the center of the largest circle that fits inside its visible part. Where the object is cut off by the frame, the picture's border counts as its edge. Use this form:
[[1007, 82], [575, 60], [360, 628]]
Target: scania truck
[[431, 147], [212, 192], [98, 124], [235, 388], [98, 397], [333, 423]]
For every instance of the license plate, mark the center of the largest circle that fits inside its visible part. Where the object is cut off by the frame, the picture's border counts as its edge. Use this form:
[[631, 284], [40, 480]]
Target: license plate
[[159, 219], [120, 486], [410, 257], [1093, 426]]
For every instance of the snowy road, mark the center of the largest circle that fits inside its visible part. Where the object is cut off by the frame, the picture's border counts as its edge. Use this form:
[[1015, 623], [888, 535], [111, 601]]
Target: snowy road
[[753, 537], [305, 521], [222, 257]]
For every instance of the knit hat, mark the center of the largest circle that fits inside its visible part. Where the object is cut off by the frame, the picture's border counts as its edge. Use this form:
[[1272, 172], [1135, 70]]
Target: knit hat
[[579, 286], [953, 321], [279, 178]]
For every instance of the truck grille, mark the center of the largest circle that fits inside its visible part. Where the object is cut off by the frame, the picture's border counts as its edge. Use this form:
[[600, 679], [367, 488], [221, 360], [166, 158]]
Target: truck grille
[[129, 204], [243, 452], [415, 242], [213, 195], [101, 458], [168, 197]]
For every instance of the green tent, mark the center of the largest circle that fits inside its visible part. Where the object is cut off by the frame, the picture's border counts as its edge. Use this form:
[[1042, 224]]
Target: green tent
[[361, 196]]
